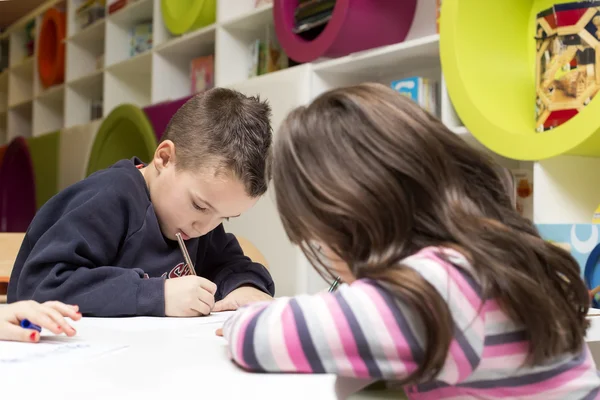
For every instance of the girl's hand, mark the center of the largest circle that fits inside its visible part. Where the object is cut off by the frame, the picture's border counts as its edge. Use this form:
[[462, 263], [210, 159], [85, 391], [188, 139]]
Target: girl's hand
[[219, 332], [49, 315], [240, 297]]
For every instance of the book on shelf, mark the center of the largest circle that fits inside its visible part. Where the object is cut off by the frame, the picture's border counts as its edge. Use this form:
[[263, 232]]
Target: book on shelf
[[266, 55], [523, 191], [310, 14], [141, 38], [422, 91], [202, 73]]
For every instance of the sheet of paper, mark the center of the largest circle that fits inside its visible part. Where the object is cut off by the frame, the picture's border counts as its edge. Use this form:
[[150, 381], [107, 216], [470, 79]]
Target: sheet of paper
[[13, 354], [593, 312], [148, 324]]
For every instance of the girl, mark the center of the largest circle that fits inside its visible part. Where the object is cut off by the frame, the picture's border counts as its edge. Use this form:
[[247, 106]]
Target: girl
[[449, 291], [49, 315]]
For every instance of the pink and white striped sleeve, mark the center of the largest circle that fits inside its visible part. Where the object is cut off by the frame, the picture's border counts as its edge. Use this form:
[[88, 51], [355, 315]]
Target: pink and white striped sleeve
[[361, 330]]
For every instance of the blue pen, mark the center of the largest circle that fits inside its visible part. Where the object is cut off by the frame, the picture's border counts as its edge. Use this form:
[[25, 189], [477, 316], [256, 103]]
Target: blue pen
[[28, 325]]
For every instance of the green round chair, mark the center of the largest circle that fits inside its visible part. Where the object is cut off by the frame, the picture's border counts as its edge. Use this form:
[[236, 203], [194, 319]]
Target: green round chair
[[488, 55], [181, 16], [125, 133], [44, 151]]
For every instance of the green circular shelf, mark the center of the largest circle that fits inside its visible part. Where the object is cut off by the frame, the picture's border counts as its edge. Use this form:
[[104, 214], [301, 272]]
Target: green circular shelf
[[181, 16], [490, 75], [45, 159], [125, 133]]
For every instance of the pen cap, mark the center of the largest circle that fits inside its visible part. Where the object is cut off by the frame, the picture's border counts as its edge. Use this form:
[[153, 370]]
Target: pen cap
[[28, 325]]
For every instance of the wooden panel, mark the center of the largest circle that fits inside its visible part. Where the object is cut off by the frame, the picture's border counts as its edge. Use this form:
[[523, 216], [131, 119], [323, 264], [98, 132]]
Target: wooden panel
[[10, 243], [251, 251], [11, 11]]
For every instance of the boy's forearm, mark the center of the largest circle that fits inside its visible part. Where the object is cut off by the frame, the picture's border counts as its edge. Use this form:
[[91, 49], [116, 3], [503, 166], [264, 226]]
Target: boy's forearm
[[253, 274], [101, 292]]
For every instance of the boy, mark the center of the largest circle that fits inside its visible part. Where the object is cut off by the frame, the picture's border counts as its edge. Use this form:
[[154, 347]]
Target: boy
[[108, 243]]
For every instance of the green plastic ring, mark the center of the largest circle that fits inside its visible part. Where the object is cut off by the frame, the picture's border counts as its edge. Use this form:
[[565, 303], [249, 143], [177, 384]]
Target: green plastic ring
[[488, 59], [44, 157], [125, 133], [181, 16]]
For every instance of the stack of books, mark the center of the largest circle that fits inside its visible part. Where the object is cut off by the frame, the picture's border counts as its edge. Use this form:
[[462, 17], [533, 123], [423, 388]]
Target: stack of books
[[312, 14]]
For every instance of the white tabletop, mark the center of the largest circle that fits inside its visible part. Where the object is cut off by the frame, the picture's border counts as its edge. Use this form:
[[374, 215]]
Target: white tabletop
[[160, 358], [154, 358]]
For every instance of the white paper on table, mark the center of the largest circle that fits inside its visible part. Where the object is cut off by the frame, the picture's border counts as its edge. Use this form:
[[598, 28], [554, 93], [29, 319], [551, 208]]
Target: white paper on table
[[593, 312], [148, 324], [49, 349]]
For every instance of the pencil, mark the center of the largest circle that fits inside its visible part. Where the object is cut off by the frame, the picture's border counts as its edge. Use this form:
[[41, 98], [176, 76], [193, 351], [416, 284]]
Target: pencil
[[186, 255], [335, 284]]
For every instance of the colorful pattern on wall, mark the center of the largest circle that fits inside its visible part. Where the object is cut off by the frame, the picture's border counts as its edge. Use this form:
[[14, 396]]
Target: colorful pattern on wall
[[583, 242]]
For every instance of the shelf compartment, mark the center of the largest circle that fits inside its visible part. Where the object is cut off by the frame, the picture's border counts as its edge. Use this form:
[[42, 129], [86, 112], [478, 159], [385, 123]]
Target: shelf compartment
[[132, 13], [19, 120], [90, 34], [20, 82], [48, 110], [173, 59], [419, 57], [256, 17], [17, 49], [119, 30], [410, 53], [80, 95], [129, 82], [84, 50]]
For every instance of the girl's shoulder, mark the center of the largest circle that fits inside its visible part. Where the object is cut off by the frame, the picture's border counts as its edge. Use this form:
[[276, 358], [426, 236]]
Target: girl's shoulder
[[443, 257], [446, 269]]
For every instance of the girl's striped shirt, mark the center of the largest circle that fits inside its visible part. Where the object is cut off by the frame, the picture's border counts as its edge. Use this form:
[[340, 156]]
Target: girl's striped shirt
[[363, 331]]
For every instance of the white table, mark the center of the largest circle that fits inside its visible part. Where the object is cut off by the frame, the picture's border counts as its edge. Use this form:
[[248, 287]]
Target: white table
[[171, 358], [161, 358]]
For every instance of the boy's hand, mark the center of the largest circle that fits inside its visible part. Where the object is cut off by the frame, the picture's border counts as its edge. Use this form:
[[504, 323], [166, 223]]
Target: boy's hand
[[189, 296], [240, 297], [49, 315]]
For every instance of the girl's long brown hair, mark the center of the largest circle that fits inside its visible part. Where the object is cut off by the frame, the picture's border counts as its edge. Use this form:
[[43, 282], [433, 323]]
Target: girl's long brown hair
[[369, 173]]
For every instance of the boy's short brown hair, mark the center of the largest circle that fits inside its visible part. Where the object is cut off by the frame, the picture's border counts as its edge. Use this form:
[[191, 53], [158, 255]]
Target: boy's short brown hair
[[226, 129]]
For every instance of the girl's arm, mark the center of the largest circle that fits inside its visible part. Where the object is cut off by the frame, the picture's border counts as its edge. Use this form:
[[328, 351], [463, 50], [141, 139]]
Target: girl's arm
[[359, 331]]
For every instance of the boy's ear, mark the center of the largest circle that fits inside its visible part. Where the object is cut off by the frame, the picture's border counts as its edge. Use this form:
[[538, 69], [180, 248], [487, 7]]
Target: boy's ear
[[164, 156]]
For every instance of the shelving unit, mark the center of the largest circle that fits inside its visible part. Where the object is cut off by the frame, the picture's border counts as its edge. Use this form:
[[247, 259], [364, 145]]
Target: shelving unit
[[100, 70]]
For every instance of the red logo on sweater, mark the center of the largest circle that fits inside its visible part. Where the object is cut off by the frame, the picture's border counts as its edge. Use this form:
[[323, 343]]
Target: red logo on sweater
[[180, 270]]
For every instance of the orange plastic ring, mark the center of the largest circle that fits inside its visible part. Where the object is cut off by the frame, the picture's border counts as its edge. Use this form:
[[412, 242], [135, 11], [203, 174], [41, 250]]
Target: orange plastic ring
[[51, 49]]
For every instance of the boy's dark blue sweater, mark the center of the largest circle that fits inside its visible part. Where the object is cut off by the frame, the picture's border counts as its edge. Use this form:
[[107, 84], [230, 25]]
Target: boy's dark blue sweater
[[98, 244]]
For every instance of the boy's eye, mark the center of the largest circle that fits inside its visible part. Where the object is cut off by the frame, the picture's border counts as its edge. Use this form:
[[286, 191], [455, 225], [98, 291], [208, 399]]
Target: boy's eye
[[197, 207]]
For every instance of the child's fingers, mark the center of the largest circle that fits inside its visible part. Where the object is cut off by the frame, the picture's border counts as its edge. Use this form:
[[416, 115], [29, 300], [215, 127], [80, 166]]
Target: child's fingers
[[44, 316], [225, 305], [65, 309], [17, 334], [36, 315], [59, 320], [219, 332]]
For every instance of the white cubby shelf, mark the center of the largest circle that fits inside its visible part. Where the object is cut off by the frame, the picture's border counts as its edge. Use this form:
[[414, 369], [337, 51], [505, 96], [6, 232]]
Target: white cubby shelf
[[100, 70]]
